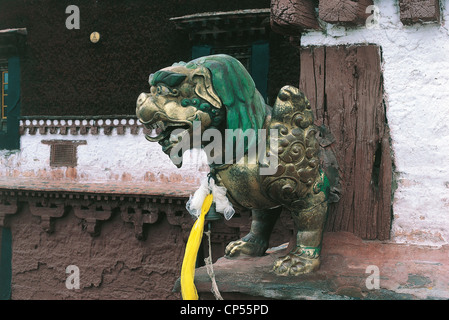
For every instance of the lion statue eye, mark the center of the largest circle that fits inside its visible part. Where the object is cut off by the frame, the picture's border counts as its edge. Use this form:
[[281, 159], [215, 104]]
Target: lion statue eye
[[162, 90]]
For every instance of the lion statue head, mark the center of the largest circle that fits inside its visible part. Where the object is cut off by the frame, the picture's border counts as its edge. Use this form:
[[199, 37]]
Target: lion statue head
[[217, 91]]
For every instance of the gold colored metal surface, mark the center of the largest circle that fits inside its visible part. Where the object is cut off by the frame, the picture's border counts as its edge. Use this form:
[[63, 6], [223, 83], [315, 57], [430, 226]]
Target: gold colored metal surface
[[218, 92], [94, 37]]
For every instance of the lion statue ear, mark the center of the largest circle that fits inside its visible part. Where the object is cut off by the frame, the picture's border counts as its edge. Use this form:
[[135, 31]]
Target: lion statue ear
[[203, 86], [233, 86]]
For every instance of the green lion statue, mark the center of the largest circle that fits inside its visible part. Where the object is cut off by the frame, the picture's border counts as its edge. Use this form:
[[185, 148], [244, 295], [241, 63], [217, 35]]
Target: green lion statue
[[214, 96]]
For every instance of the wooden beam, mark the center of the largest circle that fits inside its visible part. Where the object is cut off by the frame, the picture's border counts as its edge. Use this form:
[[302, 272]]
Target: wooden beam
[[291, 17], [412, 11], [344, 11], [342, 275], [344, 87]]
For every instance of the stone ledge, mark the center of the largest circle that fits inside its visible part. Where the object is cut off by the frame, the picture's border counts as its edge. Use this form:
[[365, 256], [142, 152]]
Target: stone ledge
[[169, 190], [93, 203], [407, 272]]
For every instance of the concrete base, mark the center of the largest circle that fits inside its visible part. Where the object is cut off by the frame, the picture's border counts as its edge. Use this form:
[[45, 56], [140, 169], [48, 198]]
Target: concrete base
[[348, 271]]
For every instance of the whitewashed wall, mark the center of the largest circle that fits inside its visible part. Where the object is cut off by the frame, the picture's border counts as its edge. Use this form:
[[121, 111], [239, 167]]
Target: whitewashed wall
[[114, 157], [416, 79]]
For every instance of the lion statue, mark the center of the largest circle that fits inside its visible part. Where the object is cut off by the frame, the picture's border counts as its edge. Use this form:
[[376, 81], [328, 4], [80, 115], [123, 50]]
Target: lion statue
[[217, 92]]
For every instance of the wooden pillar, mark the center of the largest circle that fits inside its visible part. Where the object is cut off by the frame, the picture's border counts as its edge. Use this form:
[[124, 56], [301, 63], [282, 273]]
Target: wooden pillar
[[345, 88]]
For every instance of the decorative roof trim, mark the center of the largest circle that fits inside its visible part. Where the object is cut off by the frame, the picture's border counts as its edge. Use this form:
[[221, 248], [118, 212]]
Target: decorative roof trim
[[21, 31], [93, 209], [79, 125], [210, 26], [221, 14], [12, 41]]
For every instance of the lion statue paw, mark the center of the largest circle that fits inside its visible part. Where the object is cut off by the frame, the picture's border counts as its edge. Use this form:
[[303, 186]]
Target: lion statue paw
[[300, 261], [249, 245]]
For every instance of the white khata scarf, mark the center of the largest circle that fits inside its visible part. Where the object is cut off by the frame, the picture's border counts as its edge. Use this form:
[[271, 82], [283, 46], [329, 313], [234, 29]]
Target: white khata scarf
[[222, 203]]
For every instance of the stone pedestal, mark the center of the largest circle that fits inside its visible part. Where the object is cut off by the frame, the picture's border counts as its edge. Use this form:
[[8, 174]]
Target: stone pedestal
[[351, 269]]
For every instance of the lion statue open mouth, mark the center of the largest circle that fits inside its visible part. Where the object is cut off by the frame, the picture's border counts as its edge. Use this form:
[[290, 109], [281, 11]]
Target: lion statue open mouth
[[216, 92]]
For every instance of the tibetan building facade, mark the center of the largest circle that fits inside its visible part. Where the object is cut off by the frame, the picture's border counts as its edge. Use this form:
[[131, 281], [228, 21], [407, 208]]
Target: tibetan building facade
[[81, 189]]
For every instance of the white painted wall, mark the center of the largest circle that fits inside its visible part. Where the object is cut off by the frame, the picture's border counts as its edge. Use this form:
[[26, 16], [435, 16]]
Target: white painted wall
[[416, 79], [111, 157]]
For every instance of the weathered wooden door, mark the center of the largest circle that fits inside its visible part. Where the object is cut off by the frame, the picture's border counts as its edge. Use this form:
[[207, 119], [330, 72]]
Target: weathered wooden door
[[344, 85]]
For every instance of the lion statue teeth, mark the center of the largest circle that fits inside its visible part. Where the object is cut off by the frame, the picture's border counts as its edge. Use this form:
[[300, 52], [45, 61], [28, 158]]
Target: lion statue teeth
[[216, 94]]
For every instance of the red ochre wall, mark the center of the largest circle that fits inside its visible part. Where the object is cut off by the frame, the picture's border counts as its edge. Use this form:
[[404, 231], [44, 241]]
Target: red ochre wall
[[113, 265]]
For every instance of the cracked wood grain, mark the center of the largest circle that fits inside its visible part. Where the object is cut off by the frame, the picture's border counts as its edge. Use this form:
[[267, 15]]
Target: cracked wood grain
[[412, 11], [344, 86], [344, 11], [293, 16]]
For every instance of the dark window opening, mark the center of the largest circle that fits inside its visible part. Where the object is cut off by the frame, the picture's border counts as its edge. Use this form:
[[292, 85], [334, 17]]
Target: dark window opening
[[241, 53], [63, 153], [242, 34]]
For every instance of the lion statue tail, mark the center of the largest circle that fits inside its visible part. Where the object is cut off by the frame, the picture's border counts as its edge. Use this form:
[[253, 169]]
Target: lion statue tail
[[297, 149]]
